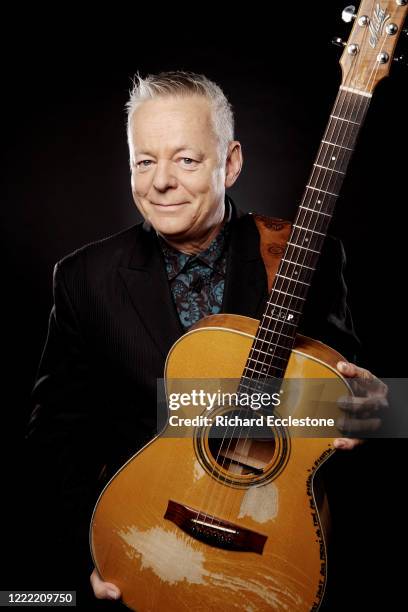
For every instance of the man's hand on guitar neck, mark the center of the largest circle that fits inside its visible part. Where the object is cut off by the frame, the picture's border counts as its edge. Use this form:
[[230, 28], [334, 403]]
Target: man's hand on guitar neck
[[362, 411], [103, 590]]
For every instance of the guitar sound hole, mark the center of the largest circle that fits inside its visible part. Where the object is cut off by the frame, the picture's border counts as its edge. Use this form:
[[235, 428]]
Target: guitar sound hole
[[240, 444], [239, 454], [242, 456]]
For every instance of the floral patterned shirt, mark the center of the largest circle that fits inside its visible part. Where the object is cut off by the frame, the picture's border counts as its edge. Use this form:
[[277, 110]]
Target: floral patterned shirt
[[197, 281]]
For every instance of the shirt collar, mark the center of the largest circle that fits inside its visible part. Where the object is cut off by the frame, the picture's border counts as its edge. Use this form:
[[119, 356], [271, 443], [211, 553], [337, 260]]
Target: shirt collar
[[212, 256]]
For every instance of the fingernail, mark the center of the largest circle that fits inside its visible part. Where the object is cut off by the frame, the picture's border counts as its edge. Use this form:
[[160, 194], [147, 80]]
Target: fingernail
[[339, 444], [113, 594], [343, 366]]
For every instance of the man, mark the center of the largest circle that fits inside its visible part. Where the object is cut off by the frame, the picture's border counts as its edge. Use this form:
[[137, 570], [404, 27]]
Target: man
[[122, 302]]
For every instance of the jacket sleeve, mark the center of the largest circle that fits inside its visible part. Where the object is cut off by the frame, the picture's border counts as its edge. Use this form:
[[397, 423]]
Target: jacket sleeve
[[64, 437], [327, 316]]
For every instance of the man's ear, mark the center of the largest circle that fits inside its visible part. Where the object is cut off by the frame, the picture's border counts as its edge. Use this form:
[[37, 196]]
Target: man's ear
[[233, 163]]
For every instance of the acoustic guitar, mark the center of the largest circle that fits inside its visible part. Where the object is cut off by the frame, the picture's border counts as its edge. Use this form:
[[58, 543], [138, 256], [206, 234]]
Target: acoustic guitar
[[228, 518]]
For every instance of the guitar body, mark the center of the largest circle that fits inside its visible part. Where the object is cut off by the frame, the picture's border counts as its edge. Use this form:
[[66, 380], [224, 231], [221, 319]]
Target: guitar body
[[159, 562]]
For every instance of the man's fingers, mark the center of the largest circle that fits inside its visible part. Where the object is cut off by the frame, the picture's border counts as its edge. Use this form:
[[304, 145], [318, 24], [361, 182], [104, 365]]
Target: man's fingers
[[361, 426], [367, 387], [351, 370], [361, 405], [363, 377], [369, 393], [103, 590], [346, 443]]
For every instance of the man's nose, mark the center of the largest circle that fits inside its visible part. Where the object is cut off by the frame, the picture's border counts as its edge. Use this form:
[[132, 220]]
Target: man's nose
[[164, 177]]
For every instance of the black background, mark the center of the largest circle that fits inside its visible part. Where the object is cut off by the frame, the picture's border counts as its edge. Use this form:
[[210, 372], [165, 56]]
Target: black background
[[66, 182]]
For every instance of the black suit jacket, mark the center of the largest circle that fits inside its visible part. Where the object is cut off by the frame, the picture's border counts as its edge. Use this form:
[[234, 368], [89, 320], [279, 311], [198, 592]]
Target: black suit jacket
[[111, 327]]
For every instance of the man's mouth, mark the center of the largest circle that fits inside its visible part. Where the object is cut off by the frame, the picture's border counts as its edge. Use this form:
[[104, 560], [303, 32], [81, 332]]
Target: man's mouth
[[168, 205]]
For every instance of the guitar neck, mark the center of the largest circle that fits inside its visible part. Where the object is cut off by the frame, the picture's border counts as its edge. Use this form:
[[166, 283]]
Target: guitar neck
[[365, 61], [277, 330]]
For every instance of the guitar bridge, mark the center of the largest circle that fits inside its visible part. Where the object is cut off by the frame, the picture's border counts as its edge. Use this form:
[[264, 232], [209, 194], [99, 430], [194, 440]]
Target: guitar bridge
[[214, 531]]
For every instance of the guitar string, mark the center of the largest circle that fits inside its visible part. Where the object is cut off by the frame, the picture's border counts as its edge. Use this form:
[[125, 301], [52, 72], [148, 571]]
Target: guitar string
[[326, 174], [352, 136], [341, 95], [320, 198], [292, 279], [326, 180], [358, 116]]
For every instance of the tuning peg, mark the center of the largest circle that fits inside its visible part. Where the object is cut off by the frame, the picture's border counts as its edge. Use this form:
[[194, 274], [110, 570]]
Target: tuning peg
[[348, 13], [339, 42], [401, 60]]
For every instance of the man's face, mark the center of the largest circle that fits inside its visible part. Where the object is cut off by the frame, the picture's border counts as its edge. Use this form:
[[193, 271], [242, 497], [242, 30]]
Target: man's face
[[178, 178]]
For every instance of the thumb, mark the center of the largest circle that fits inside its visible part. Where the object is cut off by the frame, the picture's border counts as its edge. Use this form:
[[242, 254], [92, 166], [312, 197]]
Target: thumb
[[103, 590]]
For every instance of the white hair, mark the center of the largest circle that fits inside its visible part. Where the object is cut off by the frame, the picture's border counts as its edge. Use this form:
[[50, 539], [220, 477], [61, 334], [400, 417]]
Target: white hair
[[183, 84]]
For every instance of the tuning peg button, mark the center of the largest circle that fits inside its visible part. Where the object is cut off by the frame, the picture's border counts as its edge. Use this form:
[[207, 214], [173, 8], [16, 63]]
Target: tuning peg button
[[349, 13], [339, 42], [401, 60]]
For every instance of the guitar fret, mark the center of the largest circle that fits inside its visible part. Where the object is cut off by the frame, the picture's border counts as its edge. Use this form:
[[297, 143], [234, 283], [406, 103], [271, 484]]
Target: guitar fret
[[318, 212], [265, 368], [258, 381], [297, 264], [289, 294], [285, 348], [290, 311], [331, 169], [292, 280], [287, 308], [336, 195], [302, 247], [254, 383], [258, 339], [342, 119], [308, 230], [251, 388], [279, 321], [336, 145]]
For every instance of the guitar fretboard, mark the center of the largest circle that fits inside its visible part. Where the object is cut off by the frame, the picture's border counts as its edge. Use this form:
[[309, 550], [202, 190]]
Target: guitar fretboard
[[276, 334]]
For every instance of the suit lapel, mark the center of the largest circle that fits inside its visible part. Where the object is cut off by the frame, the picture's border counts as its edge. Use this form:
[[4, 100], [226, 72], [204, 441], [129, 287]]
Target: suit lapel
[[146, 280], [149, 290]]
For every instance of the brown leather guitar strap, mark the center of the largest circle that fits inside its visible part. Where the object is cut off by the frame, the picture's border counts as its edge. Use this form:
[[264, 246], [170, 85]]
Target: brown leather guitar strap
[[274, 234]]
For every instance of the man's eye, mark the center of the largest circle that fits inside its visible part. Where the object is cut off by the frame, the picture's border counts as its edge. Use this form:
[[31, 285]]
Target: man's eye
[[145, 163], [188, 161]]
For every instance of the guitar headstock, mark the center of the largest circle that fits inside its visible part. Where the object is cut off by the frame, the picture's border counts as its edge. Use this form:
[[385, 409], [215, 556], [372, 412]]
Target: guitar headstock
[[370, 48]]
